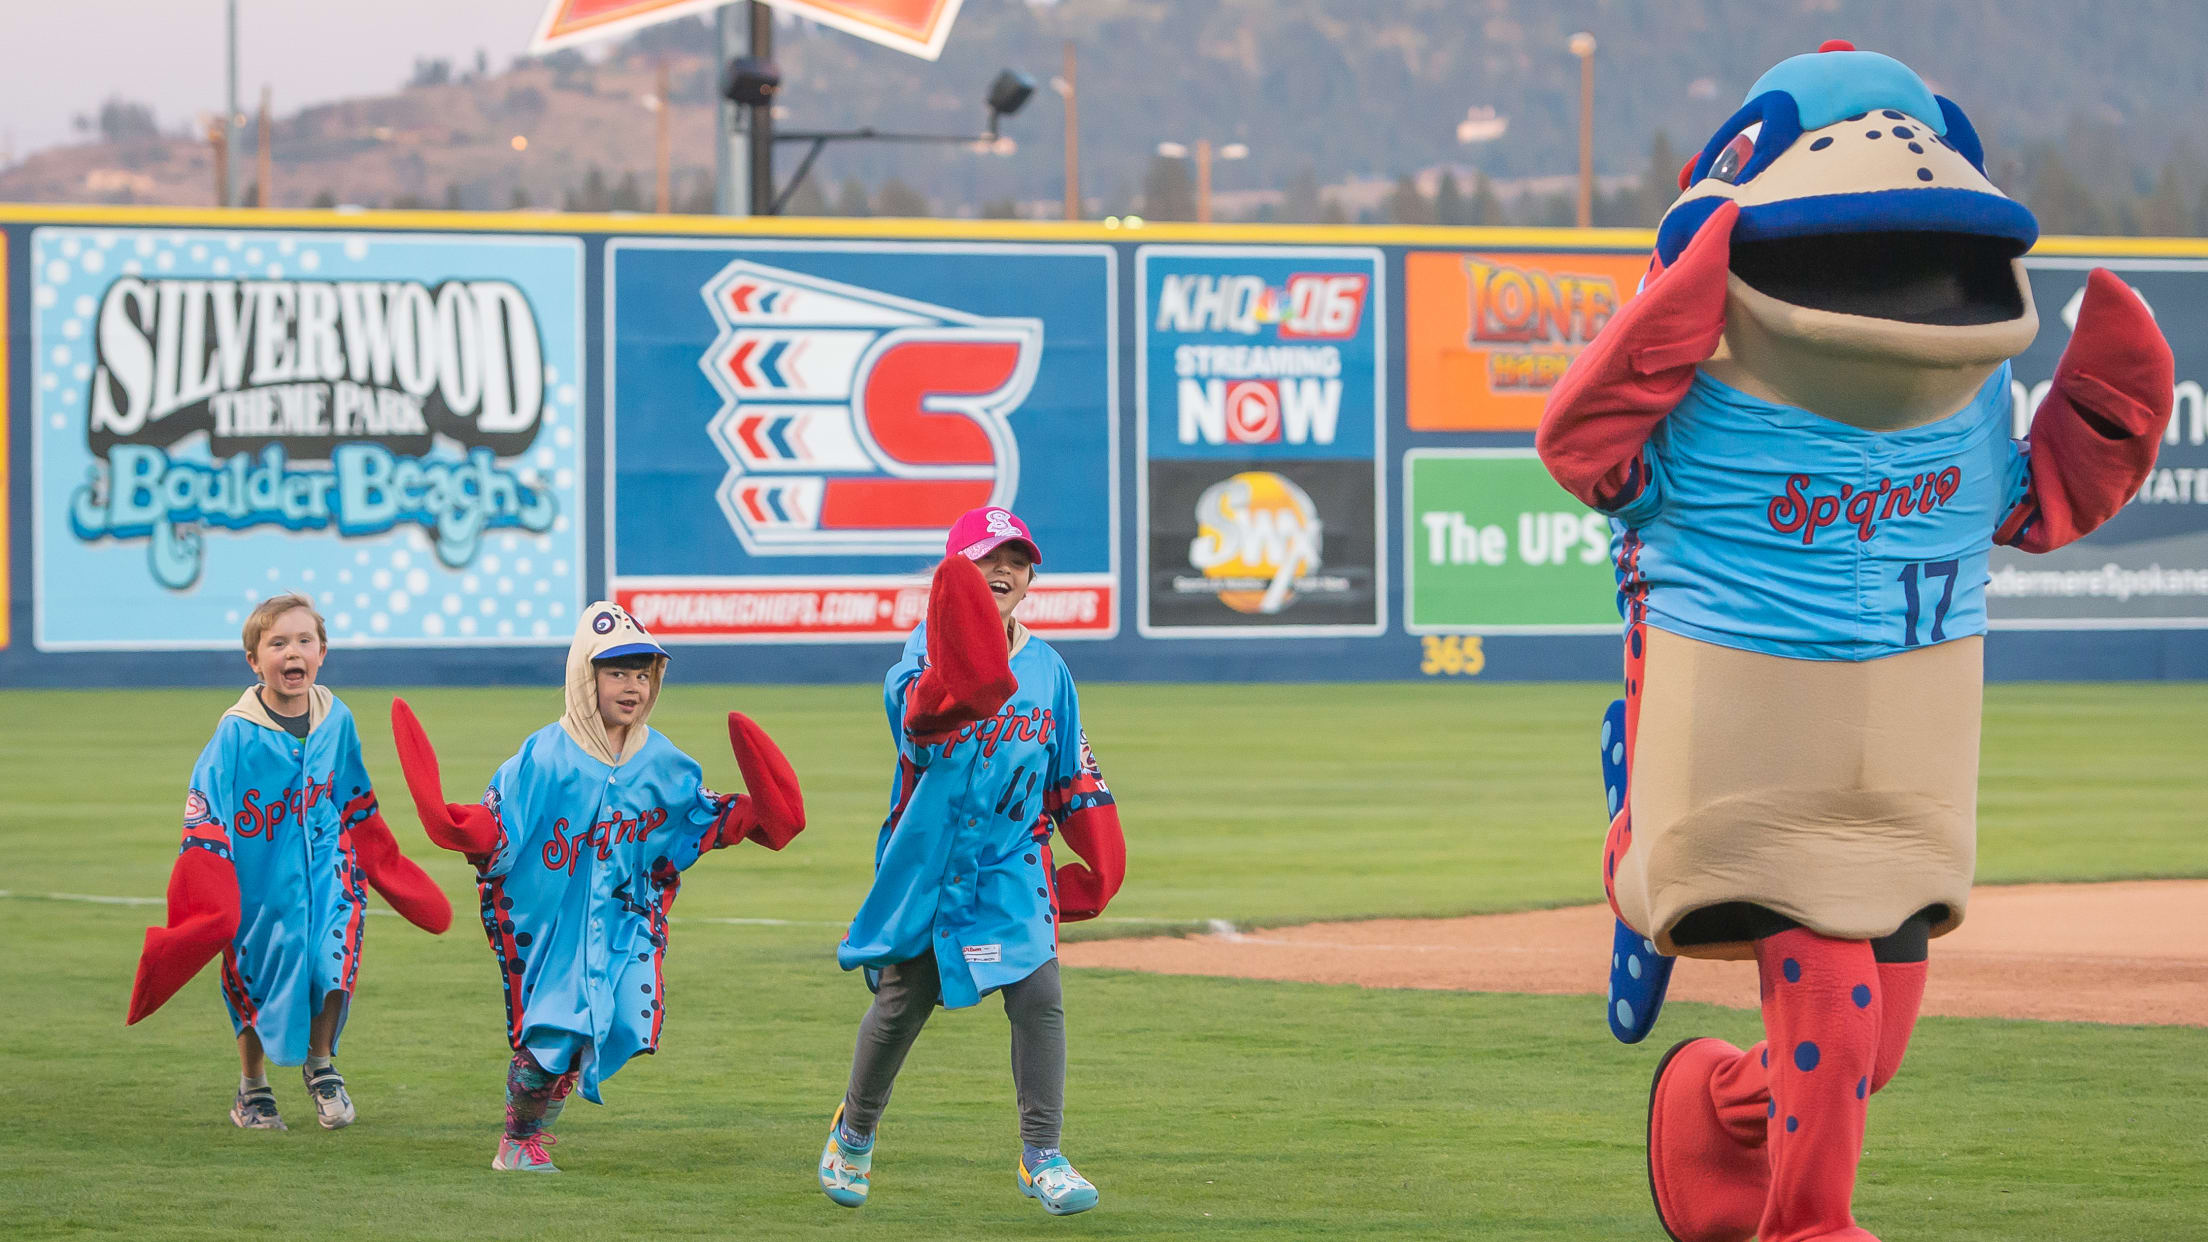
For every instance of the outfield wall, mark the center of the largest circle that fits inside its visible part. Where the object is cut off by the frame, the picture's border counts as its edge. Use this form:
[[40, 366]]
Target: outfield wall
[[1248, 453]]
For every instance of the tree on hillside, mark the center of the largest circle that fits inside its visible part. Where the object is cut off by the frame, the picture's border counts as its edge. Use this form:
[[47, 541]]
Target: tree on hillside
[[1485, 207], [900, 200], [807, 199], [430, 71], [1406, 205], [123, 120], [851, 199], [2063, 203], [1167, 191], [1299, 203], [1450, 206]]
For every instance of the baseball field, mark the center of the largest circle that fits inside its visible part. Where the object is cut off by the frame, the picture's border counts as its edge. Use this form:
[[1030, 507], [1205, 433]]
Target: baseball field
[[1203, 1107]]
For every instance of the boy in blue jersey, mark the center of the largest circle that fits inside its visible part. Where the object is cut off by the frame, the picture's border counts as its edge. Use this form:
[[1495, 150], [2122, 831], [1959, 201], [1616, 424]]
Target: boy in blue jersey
[[991, 758], [280, 832], [579, 846]]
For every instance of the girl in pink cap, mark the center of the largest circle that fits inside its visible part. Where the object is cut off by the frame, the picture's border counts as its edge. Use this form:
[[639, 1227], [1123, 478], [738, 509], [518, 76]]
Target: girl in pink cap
[[966, 900]]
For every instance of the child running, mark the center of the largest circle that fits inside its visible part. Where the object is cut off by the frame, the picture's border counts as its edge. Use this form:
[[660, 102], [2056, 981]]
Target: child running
[[966, 900], [579, 847], [280, 830]]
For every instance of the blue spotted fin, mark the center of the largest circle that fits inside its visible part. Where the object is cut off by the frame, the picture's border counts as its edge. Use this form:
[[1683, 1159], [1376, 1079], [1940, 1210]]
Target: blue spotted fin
[[1638, 973]]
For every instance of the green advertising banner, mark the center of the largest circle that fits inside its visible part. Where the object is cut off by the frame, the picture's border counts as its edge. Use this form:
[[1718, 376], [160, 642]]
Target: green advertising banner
[[1493, 546]]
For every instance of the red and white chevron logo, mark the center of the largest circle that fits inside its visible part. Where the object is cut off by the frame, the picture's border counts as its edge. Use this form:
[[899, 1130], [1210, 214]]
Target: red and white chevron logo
[[856, 421]]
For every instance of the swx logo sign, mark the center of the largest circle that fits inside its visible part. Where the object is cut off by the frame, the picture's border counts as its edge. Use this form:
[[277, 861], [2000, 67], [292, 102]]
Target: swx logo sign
[[854, 421], [1253, 392]]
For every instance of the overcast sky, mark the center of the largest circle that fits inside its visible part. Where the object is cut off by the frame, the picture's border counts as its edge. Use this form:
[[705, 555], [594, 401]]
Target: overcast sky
[[63, 57]]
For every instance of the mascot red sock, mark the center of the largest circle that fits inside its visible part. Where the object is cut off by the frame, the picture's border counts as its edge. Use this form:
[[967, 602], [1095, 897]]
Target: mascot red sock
[[1765, 1142]]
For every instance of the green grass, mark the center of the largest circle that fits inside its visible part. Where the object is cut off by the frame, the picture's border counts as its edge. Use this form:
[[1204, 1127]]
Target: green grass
[[1279, 1110]]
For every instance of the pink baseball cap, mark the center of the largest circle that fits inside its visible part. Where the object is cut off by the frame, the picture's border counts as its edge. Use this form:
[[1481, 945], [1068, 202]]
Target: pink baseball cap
[[978, 532]]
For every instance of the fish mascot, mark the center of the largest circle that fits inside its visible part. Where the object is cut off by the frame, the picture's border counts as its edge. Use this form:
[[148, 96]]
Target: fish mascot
[[1801, 432]]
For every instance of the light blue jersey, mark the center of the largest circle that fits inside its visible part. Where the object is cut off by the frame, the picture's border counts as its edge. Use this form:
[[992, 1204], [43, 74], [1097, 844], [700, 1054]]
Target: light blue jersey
[[963, 867], [1768, 528], [281, 809], [576, 894]]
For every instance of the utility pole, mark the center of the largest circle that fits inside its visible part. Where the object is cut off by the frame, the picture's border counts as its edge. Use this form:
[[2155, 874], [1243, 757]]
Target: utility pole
[[1073, 139], [762, 116], [1203, 181], [218, 141], [264, 165], [664, 143], [230, 126], [732, 170], [1583, 46]]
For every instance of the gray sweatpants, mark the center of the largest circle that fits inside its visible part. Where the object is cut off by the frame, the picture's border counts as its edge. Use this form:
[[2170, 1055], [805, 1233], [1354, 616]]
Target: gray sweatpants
[[907, 995]]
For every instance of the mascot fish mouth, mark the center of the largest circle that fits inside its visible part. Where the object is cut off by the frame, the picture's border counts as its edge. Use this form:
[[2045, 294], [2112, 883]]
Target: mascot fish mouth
[[1861, 194], [1933, 277]]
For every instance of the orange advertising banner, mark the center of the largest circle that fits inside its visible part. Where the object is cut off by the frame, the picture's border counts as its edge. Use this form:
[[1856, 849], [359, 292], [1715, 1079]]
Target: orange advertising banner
[[1488, 335], [919, 27]]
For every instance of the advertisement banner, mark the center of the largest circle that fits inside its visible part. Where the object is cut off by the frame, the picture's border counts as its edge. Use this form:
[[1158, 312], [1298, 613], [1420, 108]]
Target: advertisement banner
[[916, 27], [390, 423], [1260, 415], [795, 426], [1487, 335], [1494, 546], [7, 473], [2147, 568]]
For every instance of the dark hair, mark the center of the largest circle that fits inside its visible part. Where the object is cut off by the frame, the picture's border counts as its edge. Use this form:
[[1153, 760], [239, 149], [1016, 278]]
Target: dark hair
[[637, 661]]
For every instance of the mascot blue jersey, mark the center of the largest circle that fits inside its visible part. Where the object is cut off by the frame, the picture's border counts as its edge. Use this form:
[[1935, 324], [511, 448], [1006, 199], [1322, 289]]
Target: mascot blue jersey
[[1768, 528], [963, 866], [576, 894]]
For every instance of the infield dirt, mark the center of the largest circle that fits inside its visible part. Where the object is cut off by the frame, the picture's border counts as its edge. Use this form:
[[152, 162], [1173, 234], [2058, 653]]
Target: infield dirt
[[2131, 952]]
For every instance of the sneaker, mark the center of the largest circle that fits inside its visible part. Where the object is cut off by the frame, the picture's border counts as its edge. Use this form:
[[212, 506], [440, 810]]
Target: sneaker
[[256, 1110], [558, 1104], [1054, 1184], [524, 1155], [843, 1168], [326, 1087]]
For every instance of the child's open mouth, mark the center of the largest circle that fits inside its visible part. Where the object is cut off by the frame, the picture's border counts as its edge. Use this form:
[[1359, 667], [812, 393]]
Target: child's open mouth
[[1001, 587]]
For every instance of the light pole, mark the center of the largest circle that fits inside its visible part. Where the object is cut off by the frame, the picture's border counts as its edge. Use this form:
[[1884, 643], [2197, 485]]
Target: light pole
[[1583, 46], [1065, 85], [1180, 151]]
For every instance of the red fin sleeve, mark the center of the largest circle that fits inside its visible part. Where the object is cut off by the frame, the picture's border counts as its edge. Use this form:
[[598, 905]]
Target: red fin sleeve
[[2095, 434], [1635, 371], [969, 672], [203, 918]]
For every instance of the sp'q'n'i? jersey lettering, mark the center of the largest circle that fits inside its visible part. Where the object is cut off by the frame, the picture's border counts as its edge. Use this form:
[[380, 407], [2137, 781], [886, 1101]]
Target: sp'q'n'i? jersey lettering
[[279, 810], [963, 867], [576, 893], [1768, 528]]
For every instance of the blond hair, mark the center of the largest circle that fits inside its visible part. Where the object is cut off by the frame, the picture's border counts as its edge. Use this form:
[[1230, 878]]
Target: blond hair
[[264, 616]]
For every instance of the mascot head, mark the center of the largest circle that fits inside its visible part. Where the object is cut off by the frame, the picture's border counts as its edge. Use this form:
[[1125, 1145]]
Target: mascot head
[[1876, 273]]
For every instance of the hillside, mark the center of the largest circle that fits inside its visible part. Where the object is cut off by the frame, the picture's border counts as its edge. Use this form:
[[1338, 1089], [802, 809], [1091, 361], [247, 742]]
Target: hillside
[[1334, 90]]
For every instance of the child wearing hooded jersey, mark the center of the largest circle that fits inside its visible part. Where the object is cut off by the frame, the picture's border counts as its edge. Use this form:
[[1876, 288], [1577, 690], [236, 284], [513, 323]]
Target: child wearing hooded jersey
[[991, 760], [280, 832], [579, 846]]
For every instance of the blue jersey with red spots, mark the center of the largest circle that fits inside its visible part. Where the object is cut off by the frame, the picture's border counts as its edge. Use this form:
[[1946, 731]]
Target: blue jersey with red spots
[[1769, 528], [576, 894], [962, 868], [280, 810]]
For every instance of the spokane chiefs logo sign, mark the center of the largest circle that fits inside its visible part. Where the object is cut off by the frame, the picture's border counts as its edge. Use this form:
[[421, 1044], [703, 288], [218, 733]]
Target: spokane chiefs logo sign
[[857, 422]]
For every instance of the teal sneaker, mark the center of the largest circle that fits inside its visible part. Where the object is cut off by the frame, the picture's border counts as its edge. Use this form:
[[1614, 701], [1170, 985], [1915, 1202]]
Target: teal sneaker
[[1055, 1185], [843, 1168], [525, 1155]]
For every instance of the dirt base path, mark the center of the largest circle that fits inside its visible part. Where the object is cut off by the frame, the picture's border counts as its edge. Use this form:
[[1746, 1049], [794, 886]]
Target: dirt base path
[[2134, 952]]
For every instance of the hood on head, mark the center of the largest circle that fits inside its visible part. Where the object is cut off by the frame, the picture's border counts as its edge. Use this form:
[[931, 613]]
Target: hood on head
[[607, 630], [1862, 194]]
